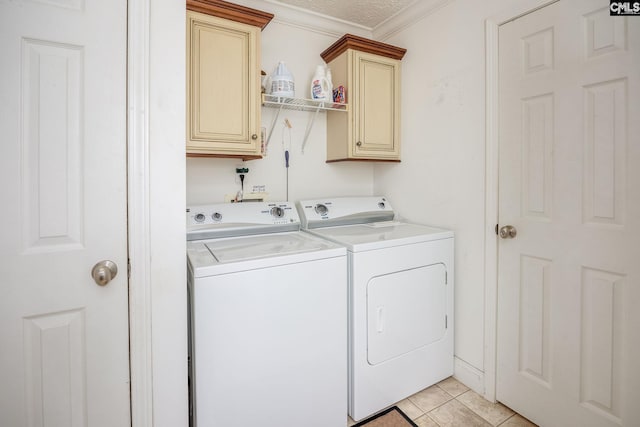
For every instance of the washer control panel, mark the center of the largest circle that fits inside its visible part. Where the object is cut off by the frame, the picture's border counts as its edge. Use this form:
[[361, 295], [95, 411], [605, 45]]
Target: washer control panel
[[343, 211], [223, 218], [245, 213]]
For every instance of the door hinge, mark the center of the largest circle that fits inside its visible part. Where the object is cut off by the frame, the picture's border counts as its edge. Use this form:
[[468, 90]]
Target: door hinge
[[446, 322], [446, 277], [496, 229], [128, 268]]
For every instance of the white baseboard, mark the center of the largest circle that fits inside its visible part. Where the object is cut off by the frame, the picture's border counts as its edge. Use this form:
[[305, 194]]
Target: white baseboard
[[468, 375]]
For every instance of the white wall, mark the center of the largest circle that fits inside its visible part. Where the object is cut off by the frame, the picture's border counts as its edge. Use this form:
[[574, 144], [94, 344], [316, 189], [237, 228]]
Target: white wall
[[441, 179], [208, 180]]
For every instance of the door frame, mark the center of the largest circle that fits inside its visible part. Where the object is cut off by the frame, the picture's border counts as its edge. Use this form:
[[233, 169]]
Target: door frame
[[156, 168], [492, 26], [139, 206]]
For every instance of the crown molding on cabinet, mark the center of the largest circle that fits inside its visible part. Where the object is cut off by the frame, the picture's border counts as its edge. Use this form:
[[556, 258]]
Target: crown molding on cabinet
[[231, 11], [349, 41]]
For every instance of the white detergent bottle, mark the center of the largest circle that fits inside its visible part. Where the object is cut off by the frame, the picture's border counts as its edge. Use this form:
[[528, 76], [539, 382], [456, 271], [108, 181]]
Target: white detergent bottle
[[320, 86]]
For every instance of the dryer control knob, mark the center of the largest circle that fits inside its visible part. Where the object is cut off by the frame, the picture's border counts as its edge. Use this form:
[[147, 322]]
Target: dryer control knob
[[217, 216], [321, 209], [199, 217]]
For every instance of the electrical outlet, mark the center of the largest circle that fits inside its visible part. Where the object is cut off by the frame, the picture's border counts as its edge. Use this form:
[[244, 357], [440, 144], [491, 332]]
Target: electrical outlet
[[241, 170]]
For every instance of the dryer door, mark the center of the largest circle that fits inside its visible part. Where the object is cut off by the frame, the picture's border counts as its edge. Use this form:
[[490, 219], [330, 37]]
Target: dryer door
[[405, 311]]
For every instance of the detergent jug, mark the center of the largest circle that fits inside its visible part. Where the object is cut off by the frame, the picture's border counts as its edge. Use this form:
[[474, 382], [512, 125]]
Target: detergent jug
[[321, 89], [282, 82]]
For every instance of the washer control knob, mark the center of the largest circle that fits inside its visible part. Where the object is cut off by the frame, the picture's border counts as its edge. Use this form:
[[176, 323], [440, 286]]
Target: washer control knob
[[217, 216], [199, 217], [321, 209], [381, 205], [277, 212]]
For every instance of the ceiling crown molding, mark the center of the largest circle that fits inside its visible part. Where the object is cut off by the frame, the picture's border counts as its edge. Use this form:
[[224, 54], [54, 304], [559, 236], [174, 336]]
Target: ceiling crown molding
[[307, 20], [333, 27], [407, 17]]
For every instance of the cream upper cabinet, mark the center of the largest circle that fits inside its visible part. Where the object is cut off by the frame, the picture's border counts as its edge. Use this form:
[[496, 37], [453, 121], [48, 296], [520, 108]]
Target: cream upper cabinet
[[370, 72], [223, 85]]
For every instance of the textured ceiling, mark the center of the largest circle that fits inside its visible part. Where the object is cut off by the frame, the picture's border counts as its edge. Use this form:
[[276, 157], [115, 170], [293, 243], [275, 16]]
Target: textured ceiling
[[369, 13]]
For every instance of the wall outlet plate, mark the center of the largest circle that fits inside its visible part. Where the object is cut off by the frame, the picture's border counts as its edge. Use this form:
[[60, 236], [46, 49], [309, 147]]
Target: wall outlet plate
[[247, 197]]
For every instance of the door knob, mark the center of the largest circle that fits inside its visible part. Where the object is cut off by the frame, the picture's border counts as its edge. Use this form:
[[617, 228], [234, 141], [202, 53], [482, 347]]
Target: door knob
[[104, 271], [508, 232]]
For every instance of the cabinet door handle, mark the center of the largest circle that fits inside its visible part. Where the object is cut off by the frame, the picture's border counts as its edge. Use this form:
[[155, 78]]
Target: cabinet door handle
[[254, 136]]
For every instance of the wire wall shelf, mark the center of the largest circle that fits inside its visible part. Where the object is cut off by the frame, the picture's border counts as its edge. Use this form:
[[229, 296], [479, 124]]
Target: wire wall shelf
[[300, 104], [286, 103]]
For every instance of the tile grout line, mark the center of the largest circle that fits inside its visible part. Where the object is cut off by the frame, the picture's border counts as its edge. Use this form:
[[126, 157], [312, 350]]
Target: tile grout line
[[478, 414], [433, 409], [431, 418], [463, 404], [512, 415]]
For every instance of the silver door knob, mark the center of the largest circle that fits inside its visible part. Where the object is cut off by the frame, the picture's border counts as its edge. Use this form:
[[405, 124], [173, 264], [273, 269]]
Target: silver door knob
[[104, 271], [508, 232]]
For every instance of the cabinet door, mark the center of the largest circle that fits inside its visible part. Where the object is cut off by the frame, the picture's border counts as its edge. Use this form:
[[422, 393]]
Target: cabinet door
[[223, 109], [377, 107]]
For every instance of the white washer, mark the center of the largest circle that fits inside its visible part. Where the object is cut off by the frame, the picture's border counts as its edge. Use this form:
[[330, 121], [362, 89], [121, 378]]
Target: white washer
[[400, 298], [268, 315]]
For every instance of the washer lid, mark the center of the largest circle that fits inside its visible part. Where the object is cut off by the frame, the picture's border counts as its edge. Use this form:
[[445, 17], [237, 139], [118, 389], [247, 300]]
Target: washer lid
[[378, 235], [219, 256], [252, 247]]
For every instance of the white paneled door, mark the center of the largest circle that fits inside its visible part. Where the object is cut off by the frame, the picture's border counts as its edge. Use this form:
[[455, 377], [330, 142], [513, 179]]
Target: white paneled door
[[63, 338], [569, 184]]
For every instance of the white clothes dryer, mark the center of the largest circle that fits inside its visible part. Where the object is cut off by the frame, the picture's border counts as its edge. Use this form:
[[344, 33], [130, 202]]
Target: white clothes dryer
[[400, 298], [268, 315]]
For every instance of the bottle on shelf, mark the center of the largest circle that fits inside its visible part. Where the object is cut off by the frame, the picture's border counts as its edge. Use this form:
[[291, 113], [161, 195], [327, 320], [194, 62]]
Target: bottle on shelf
[[321, 89], [282, 83]]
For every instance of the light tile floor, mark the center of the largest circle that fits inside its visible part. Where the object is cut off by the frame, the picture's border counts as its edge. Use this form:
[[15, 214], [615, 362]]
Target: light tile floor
[[452, 404]]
